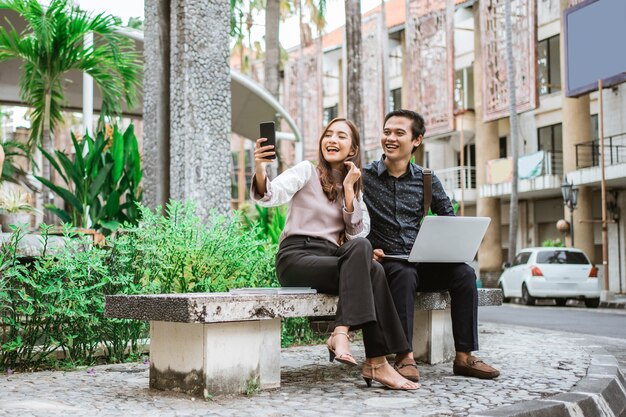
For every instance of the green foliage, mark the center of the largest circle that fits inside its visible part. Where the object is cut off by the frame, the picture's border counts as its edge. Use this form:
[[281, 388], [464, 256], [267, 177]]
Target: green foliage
[[102, 183], [297, 331], [554, 243], [11, 170], [57, 302], [177, 253], [270, 222], [52, 44]]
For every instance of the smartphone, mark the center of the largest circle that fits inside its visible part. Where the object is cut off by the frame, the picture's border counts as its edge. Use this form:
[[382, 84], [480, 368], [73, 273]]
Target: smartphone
[[268, 130]]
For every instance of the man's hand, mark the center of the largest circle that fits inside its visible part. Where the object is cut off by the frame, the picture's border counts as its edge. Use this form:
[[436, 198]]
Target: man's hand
[[378, 255]]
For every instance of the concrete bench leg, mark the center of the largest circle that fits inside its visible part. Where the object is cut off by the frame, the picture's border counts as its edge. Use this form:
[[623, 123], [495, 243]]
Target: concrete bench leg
[[432, 336], [216, 358]]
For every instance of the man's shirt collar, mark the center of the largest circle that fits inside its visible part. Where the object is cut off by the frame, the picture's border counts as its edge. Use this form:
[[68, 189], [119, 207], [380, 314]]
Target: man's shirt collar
[[382, 168]]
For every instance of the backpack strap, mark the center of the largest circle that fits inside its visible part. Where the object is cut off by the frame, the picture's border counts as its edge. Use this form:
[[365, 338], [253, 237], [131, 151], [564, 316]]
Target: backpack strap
[[428, 189]]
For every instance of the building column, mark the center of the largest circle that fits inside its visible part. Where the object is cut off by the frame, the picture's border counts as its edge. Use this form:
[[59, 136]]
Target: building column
[[187, 103], [156, 103], [576, 129], [487, 148]]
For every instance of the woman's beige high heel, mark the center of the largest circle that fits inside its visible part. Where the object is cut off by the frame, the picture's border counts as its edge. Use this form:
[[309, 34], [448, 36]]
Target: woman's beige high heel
[[399, 383], [343, 357]]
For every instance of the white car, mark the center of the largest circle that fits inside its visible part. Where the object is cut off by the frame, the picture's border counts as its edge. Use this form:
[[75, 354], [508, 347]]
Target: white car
[[558, 273]]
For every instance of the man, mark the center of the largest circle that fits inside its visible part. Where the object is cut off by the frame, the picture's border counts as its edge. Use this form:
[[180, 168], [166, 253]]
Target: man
[[394, 194]]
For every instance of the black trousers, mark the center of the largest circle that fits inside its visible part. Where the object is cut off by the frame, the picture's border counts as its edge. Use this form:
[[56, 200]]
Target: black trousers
[[459, 279], [348, 271]]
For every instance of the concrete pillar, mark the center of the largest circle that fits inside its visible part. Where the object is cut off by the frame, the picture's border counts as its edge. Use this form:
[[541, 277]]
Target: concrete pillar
[[432, 336], [200, 125], [487, 148], [156, 103], [215, 358], [187, 103], [576, 129]]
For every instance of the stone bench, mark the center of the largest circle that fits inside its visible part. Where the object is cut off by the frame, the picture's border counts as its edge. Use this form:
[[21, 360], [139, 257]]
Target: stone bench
[[211, 343]]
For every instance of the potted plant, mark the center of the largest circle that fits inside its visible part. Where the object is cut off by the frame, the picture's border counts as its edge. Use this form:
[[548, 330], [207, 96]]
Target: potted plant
[[14, 208]]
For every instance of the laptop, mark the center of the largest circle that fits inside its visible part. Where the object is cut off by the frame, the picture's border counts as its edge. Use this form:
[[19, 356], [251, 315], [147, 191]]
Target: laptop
[[447, 239]]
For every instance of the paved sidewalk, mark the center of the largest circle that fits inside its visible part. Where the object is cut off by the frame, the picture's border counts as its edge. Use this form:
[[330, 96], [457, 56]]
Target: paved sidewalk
[[618, 301], [534, 364]]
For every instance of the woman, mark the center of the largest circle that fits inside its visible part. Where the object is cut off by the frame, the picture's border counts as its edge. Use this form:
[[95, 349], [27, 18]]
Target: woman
[[323, 246]]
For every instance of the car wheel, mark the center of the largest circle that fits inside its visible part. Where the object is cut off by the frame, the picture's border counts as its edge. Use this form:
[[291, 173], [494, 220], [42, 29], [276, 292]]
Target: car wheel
[[592, 302], [504, 299], [560, 301], [527, 299]]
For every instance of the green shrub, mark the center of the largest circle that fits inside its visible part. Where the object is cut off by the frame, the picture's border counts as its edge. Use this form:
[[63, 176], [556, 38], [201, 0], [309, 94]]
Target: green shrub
[[555, 243], [57, 302], [177, 253]]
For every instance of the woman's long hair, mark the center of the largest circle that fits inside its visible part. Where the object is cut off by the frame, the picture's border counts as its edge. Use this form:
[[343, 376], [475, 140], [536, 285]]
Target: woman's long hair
[[326, 172]]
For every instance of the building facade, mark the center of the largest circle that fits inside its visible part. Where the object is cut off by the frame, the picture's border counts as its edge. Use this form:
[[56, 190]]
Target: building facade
[[439, 61]]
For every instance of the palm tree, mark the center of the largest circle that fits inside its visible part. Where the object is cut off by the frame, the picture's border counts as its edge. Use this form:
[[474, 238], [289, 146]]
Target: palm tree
[[51, 45]]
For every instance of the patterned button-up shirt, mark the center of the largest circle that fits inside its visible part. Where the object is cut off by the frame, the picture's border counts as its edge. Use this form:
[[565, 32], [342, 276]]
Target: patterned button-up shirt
[[396, 206]]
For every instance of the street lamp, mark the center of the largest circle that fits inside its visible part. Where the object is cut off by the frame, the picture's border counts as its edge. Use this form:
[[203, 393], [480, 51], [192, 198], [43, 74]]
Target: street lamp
[[570, 198]]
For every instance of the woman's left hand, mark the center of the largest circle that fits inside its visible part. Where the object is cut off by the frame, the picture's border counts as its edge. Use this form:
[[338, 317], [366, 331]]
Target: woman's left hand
[[352, 176]]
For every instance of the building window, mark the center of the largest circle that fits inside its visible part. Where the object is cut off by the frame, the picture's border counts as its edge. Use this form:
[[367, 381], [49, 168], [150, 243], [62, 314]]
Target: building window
[[330, 113], [464, 89], [395, 99], [550, 139], [503, 147], [594, 134], [549, 56]]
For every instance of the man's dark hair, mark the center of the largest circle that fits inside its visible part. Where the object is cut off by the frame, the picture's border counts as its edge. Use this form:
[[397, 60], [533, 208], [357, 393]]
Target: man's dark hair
[[417, 121]]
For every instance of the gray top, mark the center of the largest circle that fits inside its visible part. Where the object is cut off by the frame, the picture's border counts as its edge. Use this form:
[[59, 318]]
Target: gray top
[[310, 213]]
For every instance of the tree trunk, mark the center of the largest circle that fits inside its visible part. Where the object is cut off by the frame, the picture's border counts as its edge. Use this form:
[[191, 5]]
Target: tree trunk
[[46, 168], [272, 46], [513, 213], [354, 108]]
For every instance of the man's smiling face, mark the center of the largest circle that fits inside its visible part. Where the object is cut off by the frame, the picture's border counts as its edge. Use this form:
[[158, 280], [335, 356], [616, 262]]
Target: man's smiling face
[[396, 140]]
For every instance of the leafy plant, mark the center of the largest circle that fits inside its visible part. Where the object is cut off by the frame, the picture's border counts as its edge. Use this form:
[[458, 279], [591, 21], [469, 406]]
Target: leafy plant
[[270, 222], [554, 243], [53, 44], [102, 182], [11, 171], [178, 253], [15, 201]]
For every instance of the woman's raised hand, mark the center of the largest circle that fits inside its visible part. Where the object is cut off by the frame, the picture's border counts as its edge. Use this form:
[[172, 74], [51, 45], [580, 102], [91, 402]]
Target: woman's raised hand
[[261, 153], [352, 176], [260, 160]]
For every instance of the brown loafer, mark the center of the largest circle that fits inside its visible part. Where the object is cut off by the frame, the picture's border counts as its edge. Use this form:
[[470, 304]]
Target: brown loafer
[[408, 370], [475, 367]]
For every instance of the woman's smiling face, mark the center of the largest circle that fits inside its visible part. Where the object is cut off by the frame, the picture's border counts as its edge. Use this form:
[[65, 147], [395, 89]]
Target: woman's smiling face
[[336, 144]]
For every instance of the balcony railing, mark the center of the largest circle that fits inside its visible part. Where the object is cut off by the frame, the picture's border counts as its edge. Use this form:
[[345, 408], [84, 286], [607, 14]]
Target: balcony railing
[[588, 153], [553, 163], [451, 177]]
